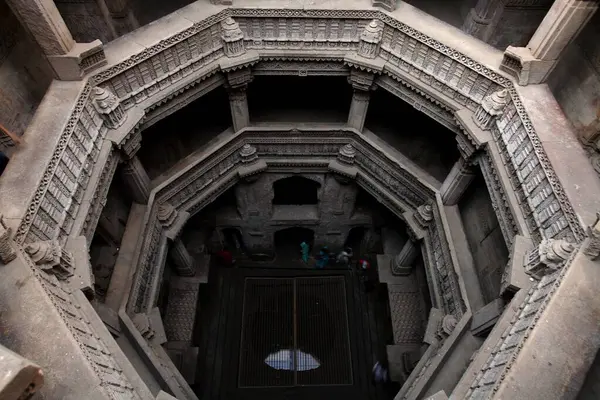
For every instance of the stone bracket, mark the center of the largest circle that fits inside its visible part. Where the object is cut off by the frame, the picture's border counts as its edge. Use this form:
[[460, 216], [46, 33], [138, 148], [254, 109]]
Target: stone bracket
[[151, 326], [514, 277]]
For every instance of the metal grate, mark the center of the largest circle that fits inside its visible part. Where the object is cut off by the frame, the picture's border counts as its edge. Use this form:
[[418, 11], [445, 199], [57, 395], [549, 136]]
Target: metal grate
[[295, 333]]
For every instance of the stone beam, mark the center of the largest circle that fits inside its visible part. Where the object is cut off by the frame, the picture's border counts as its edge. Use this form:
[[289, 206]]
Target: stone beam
[[561, 25], [137, 180], [457, 182]]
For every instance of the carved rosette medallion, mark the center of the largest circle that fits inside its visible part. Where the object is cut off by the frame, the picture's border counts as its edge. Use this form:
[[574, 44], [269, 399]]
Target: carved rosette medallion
[[109, 107]]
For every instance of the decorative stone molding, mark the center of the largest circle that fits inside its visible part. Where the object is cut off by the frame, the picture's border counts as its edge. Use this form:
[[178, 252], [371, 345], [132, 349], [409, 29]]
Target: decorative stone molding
[[7, 250], [51, 258], [548, 257], [172, 220], [343, 167], [491, 107], [233, 38], [167, 214], [424, 215], [370, 40], [447, 326], [109, 107]]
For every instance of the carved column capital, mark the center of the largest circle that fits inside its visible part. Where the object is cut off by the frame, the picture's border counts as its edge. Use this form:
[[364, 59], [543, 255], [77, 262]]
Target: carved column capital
[[136, 178], [549, 256], [7, 250], [171, 219], [109, 107], [51, 258], [490, 108], [362, 81]]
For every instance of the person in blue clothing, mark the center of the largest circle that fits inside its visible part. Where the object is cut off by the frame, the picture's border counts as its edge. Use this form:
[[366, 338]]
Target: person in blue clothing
[[323, 259], [304, 249]]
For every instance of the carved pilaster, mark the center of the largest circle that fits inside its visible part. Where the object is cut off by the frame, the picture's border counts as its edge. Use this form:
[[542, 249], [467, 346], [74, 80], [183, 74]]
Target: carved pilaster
[[369, 42], [490, 108], [456, 183], [109, 107], [7, 251], [548, 257], [137, 180], [51, 258], [402, 264], [182, 259], [358, 109], [251, 164], [238, 102]]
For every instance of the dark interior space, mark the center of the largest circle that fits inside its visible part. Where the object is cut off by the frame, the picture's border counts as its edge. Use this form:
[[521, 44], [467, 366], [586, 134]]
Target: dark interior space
[[299, 99], [296, 190], [287, 242], [484, 237], [427, 143], [185, 131]]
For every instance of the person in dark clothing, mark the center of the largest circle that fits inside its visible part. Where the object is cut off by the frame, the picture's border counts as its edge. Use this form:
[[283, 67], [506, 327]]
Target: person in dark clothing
[[3, 162]]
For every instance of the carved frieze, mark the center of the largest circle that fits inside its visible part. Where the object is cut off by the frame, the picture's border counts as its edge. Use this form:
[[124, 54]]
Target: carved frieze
[[370, 40]]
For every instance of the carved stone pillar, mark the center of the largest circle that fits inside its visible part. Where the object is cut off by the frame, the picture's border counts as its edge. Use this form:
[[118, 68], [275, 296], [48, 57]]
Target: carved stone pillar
[[457, 182], [137, 180], [236, 67], [483, 18], [403, 262], [182, 259], [69, 60], [358, 109], [534, 63], [490, 108]]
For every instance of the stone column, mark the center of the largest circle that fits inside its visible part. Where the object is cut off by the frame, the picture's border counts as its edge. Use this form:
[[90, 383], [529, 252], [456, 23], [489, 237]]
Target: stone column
[[238, 102], [403, 262], [457, 182], [137, 180], [483, 18], [358, 109], [534, 63], [182, 259], [69, 60], [121, 16]]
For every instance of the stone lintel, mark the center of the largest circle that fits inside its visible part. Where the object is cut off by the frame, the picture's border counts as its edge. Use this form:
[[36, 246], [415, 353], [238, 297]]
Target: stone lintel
[[562, 344], [486, 317], [83, 277], [231, 64], [79, 61], [515, 278]]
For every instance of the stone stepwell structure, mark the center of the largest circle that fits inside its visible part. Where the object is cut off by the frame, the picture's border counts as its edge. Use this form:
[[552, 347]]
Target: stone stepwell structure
[[544, 191]]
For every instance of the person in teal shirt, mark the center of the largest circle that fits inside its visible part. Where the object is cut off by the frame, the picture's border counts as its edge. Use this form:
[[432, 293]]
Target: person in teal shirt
[[323, 258], [304, 249]]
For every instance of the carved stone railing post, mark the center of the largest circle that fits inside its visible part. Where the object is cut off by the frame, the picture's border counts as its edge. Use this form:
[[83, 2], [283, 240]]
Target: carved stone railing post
[[69, 60], [366, 66], [137, 180], [424, 215], [490, 109], [343, 167], [7, 251], [403, 263], [561, 25], [173, 222], [109, 108], [251, 164], [236, 67], [457, 182], [548, 257]]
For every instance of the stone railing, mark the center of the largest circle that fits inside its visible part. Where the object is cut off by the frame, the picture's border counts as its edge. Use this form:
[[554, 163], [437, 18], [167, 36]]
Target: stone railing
[[214, 171]]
